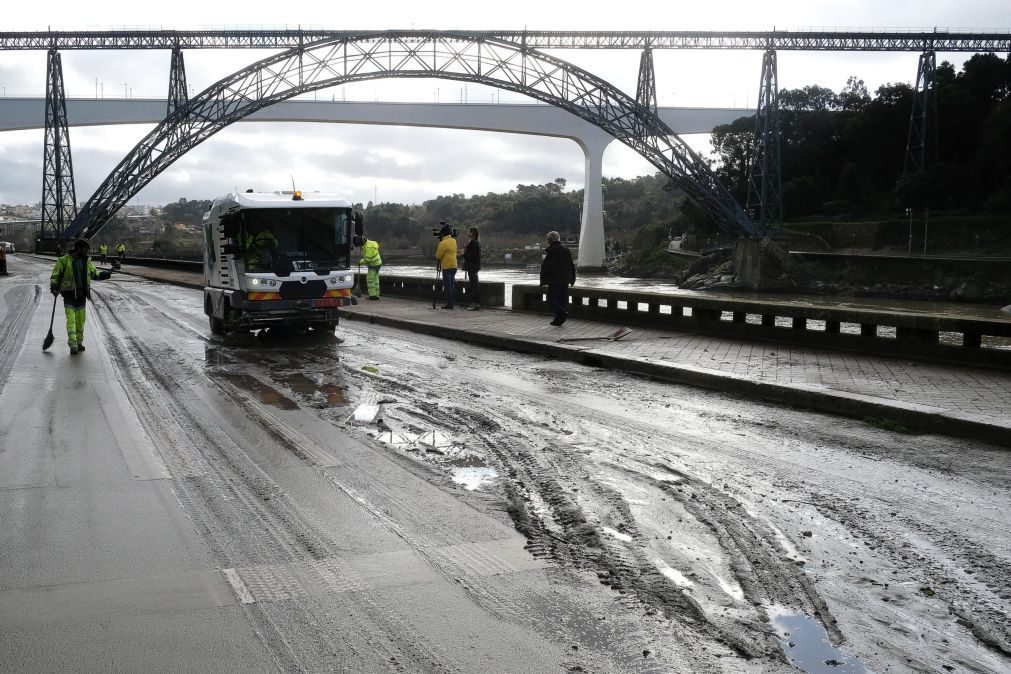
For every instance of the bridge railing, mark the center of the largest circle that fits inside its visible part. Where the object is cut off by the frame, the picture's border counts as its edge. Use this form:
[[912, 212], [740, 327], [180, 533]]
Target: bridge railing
[[420, 287], [909, 335]]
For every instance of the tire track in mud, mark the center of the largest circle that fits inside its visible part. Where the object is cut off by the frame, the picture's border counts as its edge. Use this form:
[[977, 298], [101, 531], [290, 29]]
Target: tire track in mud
[[15, 325], [227, 494], [538, 495], [425, 532]]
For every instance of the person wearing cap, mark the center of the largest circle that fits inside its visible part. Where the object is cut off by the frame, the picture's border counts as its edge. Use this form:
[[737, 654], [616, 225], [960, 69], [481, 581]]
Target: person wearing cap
[[558, 272], [71, 278], [446, 255]]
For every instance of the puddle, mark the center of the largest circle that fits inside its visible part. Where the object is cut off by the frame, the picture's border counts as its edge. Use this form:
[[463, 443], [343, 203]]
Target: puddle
[[807, 646], [365, 413], [617, 534], [267, 394], [673, 574], [332, 394], [435, 440], [473, 477], [398, 439]]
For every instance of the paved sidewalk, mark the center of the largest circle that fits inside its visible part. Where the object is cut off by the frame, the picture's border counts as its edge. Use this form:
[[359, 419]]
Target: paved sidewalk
[[953, 400]]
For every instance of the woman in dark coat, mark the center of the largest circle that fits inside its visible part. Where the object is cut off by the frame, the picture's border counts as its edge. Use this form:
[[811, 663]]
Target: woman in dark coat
[[558, 272], [472, 265]]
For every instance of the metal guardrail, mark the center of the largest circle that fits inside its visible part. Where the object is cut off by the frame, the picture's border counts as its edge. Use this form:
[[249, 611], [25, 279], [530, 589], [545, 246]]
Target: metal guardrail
[[909, 335]]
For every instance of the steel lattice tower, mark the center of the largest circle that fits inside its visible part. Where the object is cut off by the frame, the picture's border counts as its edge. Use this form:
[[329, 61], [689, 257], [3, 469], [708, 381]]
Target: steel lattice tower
[[177, 93], [765, 184], [645, 90], [921, 144], [59, 202]]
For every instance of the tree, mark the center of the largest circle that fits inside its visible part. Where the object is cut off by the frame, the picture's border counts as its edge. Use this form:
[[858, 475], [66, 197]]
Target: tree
[[854, 95]]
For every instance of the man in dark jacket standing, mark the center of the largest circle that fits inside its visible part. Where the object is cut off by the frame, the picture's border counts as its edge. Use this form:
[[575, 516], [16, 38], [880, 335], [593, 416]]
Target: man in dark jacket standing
[[558, 273]]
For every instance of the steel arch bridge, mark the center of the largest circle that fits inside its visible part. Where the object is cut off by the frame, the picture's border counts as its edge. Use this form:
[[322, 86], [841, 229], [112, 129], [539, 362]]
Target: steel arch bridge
[[469, 57]]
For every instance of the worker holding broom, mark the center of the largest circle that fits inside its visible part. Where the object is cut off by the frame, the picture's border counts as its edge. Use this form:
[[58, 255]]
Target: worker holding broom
[[71, 278]]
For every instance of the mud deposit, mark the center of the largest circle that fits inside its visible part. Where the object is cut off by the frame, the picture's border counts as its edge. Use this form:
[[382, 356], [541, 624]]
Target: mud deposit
[[387, 501]]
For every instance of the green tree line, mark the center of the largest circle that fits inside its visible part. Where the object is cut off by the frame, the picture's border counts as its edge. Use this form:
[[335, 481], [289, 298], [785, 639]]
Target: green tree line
[[844, 153]]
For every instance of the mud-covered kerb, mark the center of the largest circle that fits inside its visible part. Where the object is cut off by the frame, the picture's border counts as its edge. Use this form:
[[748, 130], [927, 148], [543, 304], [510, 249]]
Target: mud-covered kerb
[[924, 336]]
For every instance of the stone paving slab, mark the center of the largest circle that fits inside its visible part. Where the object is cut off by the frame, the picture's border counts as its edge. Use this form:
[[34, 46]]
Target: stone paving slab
[[957, 400]]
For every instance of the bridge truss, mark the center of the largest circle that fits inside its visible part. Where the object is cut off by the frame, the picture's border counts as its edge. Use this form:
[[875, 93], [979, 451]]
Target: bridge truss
[[765, 191], [811, 40], [443, 55]]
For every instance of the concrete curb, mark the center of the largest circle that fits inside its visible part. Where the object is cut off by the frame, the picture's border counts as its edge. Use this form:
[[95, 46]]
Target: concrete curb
[[923, 418]]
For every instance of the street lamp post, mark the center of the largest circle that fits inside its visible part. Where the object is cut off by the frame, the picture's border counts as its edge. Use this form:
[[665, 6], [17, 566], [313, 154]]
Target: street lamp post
[[909, 252]]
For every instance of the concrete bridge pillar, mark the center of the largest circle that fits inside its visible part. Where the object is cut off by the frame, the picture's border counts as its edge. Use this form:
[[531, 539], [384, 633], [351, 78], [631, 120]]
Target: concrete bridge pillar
[[591, 230]]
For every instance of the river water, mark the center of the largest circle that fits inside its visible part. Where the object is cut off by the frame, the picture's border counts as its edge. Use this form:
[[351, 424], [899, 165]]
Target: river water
[[519, 275]]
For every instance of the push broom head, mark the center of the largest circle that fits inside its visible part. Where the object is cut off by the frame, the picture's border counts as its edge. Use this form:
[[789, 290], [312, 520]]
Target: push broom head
[[48, 341]]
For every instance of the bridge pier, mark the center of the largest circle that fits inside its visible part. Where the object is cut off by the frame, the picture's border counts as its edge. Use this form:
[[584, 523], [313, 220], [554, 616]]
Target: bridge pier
[[591, 227]]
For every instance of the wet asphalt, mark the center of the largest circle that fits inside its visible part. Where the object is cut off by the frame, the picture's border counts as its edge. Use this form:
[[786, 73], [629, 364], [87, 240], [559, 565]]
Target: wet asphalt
[[380, 500]]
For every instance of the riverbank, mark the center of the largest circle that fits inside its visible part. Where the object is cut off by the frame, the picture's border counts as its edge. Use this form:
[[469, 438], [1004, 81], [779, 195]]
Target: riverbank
[[853, 274]]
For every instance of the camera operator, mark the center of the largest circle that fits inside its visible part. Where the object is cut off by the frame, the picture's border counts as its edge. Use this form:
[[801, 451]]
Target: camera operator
[[446, 255]]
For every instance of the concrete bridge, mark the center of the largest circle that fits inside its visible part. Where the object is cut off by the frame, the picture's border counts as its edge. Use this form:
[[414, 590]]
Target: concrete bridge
[[530, 119]]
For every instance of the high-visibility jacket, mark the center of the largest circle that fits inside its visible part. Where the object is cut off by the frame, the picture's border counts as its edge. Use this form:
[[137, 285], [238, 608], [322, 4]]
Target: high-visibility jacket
[[104, 250], [446, 252], [263, 240], [370, 254], [121, 248], [65, 281]]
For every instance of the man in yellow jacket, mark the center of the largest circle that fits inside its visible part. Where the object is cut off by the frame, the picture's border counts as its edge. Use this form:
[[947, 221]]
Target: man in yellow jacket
[[370, 258], [71, 278], [446, 255]]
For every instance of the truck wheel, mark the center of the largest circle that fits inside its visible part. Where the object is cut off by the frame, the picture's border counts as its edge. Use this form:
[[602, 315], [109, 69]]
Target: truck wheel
[[217, 325]]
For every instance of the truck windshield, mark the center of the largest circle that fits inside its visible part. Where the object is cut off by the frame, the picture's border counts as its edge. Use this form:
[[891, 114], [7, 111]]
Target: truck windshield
[[296, 239]]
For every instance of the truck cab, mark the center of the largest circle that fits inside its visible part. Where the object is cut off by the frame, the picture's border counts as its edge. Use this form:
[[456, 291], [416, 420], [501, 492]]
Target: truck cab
[[274, 259]]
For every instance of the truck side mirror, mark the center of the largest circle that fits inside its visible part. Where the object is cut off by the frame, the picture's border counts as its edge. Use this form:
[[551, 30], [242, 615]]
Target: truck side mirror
[[359, 226], [230, 224]]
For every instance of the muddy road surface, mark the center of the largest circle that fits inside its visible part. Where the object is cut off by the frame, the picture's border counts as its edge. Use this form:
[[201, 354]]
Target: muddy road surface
[[381, 500]]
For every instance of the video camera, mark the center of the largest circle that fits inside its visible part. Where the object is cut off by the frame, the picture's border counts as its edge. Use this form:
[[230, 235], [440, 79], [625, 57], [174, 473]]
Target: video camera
[[453, 231]]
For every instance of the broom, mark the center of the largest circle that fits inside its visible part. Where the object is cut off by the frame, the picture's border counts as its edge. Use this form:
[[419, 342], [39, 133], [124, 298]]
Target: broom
[[48, 341]]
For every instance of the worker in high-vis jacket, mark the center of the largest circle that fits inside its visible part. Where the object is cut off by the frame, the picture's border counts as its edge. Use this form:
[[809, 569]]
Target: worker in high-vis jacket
[[103, 253], [121, 250], [370, 258], [72, 278], [260, 249]]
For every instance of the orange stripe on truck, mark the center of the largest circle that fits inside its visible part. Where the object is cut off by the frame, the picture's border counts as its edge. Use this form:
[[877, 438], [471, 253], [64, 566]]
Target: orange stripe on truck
[[263, 296], [341, 292]]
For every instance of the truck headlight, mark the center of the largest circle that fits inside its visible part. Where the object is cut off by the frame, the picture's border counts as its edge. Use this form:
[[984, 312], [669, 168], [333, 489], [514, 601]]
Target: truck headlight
[[256, 281]]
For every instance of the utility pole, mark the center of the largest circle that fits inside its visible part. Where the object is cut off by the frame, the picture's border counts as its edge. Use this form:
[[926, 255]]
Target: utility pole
[[926, 218]]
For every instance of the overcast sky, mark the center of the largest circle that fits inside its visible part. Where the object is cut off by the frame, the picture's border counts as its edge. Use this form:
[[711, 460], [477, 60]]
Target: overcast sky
[[413, 164]]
